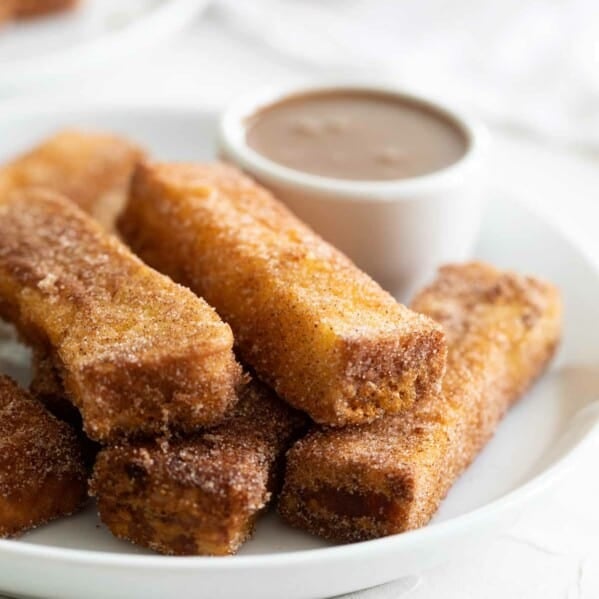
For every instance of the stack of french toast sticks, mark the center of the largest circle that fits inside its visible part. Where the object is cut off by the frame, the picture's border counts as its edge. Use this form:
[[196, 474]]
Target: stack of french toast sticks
[[221, 356]]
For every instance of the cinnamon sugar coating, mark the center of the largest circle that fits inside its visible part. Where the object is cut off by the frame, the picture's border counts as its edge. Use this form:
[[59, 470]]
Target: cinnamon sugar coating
[[198, 495], [42, 475], [322, 333], [91, 169], [135, 352], [390, 476]]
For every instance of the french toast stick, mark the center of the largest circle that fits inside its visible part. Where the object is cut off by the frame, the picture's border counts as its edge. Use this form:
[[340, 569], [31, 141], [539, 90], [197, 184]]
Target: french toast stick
[[313, 326], [135, 352], [198, 495], [42, 474], [390, 476], [93, 170]]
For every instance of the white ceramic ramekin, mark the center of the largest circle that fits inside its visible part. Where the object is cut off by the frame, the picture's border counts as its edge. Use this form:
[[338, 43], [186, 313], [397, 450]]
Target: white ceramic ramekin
[[397, 231]]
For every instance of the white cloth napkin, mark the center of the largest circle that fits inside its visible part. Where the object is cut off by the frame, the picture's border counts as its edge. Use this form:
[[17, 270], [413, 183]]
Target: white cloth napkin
[[531, 64]]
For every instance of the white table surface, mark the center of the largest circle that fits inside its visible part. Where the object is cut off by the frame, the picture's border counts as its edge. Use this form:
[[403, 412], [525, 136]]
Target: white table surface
[[553, 550]]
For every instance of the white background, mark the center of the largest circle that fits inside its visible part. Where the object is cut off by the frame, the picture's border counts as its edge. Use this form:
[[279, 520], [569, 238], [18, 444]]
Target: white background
[[553, 551]]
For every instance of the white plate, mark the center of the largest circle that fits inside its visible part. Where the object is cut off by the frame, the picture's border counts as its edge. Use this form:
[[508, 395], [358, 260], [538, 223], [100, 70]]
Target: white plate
[[537, 441], [39, 50]]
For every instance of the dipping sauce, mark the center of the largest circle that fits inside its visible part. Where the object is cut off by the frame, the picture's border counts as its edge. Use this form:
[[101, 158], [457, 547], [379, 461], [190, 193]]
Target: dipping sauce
[[352, 134]]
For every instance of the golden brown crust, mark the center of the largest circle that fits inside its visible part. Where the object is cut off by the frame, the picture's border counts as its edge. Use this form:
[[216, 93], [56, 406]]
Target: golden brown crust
[[390, 476], [323, 334], [91, 169], [201, 494], [42, 475], [136, 353], [27, 9]]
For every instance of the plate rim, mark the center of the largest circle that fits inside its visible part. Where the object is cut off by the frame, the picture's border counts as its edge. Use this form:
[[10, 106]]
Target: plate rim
[[491, 510]]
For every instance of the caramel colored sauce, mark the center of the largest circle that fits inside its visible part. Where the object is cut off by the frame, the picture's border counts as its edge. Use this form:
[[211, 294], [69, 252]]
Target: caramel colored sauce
[[358, 135]]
